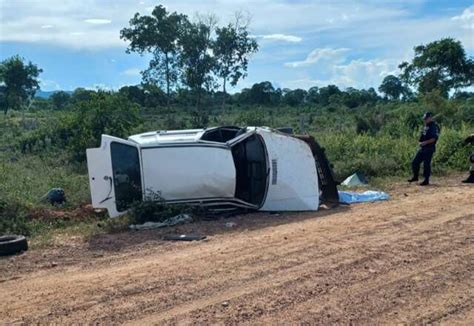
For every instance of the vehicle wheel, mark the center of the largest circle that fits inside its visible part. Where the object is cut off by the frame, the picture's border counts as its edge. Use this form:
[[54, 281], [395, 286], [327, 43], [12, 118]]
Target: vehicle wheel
[[12, 244]]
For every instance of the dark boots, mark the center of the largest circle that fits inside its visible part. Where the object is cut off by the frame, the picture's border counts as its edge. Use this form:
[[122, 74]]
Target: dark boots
[[470, 179]]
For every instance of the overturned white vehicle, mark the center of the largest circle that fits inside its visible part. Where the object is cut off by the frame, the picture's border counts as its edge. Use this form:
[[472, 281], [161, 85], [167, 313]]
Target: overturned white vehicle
[[222, 168]]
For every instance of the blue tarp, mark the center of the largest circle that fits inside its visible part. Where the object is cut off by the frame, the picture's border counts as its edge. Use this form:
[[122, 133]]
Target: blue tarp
[[350, 197]]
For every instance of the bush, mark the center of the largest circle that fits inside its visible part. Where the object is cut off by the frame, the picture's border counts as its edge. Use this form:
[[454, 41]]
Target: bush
[[155, 209], [103, 113], [12, 219]]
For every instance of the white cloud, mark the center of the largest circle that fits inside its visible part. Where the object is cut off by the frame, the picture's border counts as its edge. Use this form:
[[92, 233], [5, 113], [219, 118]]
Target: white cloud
[[356, 73], [331, 66], [49, 85], [281, 37], [20, 18], [97, 21], [131, 72], [47, 26], [317, 55], [363, 73], [466, 18]]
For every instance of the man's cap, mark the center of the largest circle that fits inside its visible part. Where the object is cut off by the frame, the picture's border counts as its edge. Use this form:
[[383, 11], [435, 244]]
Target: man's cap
[[427, 115]]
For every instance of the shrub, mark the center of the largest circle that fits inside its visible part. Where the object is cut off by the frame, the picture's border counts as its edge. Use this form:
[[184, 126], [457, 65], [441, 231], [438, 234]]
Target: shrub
[[12, 219], [103, 113], [155, 209]]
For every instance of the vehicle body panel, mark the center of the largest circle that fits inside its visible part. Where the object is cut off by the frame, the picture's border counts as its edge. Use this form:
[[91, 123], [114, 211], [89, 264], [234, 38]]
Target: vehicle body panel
[[293, 182], [192, 172]]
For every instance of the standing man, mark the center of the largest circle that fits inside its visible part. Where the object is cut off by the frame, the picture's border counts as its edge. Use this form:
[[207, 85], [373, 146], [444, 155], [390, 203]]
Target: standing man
[[470, 179], [428, 138]]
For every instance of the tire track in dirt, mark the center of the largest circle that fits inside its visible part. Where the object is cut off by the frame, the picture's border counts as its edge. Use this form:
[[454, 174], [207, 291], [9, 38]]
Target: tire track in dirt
[[277, 272], [306, 283], [116, 293]]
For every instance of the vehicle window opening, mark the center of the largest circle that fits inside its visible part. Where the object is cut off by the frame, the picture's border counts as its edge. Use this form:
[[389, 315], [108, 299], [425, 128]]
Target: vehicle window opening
[[251, 170], [126, 175], [221, 135]]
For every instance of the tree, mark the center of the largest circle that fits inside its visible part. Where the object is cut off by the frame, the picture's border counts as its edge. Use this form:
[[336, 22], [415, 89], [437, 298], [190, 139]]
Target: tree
[[102, 113], [60, 99], [196, 58], [261, 93], [295, 97], [441, 65], [313, 95], [20, 81], [392, 87], [81, 94], [232, 49], [325, 93], [134, 93], [158, 35]]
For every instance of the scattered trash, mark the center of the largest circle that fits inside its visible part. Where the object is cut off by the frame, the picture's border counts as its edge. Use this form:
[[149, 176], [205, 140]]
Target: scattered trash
[[230, 224], [184, 237], [349, 197], [357, 179], [175, 220], [225, 304]]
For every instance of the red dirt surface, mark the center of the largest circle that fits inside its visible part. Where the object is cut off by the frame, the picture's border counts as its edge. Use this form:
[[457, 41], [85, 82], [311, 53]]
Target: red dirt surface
[[408, 260]]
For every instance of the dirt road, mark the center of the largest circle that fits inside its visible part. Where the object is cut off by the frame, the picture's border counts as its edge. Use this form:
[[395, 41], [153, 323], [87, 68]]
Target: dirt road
[[408, 260]]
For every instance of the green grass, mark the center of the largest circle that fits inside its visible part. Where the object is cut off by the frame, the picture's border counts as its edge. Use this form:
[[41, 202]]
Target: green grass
[[379, 141], [26, 178]]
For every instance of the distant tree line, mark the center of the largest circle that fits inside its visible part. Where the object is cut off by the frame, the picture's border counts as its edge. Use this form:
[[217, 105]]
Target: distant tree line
[[189, 57]]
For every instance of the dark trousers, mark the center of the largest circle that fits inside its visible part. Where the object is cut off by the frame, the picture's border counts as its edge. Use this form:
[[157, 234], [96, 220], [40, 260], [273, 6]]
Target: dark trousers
[[425, 156]]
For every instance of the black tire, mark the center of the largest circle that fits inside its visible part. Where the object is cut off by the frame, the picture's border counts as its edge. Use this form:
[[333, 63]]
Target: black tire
[[12, 244]]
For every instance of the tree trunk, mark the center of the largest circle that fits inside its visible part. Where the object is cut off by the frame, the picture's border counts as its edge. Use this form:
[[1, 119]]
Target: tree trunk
[[167, 79], [198, 100], [224, 93]]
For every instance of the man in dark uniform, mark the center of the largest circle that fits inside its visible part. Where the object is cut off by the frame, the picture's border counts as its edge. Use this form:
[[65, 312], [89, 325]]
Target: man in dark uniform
[[428, 138], [470, 179]]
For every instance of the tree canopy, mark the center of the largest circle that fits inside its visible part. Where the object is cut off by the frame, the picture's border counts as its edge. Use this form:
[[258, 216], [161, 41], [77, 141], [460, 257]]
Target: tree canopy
[[232, 49], [20, 82], [157, 34], [190, 54], [441, 65]]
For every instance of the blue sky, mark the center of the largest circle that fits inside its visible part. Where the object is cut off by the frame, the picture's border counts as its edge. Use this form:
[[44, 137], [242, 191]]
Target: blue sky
[[303, 43]]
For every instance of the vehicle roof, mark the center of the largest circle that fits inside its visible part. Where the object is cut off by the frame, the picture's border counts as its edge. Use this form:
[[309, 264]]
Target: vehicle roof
[[167, 136], [163, 137]]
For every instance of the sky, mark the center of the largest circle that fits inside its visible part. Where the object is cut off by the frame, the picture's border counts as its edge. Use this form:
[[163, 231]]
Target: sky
[[303, 43]]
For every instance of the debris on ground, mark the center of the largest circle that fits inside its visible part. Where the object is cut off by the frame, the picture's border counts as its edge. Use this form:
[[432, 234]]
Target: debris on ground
[[184, 237], [230, 224], [55, 196], [357, 179], [175, 220], [349, 197]]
